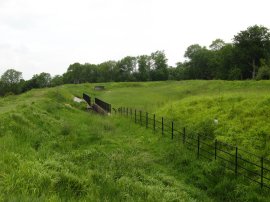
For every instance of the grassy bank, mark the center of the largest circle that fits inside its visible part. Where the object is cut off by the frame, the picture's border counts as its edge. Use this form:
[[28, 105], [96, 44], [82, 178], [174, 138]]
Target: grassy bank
[[52, 150], [242, 108]]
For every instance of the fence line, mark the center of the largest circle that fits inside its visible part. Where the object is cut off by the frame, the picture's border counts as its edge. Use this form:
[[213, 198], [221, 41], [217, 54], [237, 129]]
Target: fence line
[[239, 161]]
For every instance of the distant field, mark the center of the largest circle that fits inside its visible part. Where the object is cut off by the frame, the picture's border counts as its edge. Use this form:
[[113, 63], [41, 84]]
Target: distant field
[[52, 150], [242, 108]]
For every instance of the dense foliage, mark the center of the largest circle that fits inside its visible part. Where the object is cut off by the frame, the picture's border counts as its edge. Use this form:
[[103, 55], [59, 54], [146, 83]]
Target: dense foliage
[[248, 57]]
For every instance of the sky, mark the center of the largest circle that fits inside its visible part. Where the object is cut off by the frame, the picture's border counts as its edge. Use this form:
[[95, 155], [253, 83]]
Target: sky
[[48, 35]]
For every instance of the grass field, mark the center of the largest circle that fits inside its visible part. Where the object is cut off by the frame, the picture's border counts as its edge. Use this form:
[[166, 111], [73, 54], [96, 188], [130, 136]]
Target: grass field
[[53, 150], [241, 107]]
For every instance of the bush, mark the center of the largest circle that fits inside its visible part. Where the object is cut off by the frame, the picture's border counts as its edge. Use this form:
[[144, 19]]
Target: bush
[[263, 73], [235, 74]]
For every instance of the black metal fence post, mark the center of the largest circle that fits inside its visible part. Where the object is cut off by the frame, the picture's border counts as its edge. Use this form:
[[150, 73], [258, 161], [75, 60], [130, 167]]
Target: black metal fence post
[[236, 161], [162, 127], [198, 150], [172, 130], [262, 172], [184, 135], [130, 113], [146, 117], [127, 111], [216, 149], [135, 116]]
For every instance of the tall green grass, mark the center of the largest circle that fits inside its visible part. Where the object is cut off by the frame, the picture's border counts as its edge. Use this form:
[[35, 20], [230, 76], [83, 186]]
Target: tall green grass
[[53, 150], [242, 108]]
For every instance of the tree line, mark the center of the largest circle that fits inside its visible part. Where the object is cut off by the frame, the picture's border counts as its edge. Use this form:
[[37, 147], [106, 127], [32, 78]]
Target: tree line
[[247, 57]]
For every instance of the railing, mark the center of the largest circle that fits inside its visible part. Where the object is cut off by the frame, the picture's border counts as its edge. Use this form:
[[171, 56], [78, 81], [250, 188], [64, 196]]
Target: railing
[[87, 99], [239, 161], [104, 105]]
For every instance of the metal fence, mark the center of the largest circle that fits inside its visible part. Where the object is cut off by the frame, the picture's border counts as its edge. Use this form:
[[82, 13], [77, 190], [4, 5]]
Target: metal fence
[[239, 161], [104, 105], [87, 99]]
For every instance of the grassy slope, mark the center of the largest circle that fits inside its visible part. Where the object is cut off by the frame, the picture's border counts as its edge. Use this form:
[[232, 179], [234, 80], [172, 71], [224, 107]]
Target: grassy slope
[[241, 107], [46, 155], [52, 150]]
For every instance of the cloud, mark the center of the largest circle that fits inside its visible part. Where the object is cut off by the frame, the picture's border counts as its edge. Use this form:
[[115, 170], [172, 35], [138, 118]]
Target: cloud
[[48, 35]]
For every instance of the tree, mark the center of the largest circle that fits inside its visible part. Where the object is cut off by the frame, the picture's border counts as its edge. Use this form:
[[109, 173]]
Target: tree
[[42, 80], [159, 67], [105, 70], [73, 74], [144, 67], [89, 73], [192, 50], [217, 44], [57, 80], [252, 45], [124, 68], [264, 71], [11, 77], [222, 60], [201, 62], [11, 82]]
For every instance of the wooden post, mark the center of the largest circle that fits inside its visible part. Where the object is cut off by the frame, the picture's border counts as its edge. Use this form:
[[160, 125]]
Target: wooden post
[[172, 130], [162, 127]]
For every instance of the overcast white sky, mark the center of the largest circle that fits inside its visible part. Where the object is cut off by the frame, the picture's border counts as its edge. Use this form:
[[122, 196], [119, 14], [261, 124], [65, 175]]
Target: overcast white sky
[[47, 35]]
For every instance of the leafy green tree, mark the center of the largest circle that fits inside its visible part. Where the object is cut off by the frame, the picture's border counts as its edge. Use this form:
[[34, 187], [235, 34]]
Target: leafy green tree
[[235, 74], [11, 76], [200, 62], [89, 73], [42, 80], [144, 67], [73, 74], [106, 70], [11, 82], [217, 44], [192, 51], [182, 71], [57, 80], [124, 68], [252, 45], [159, 66], [222, 60], [264, 71]]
